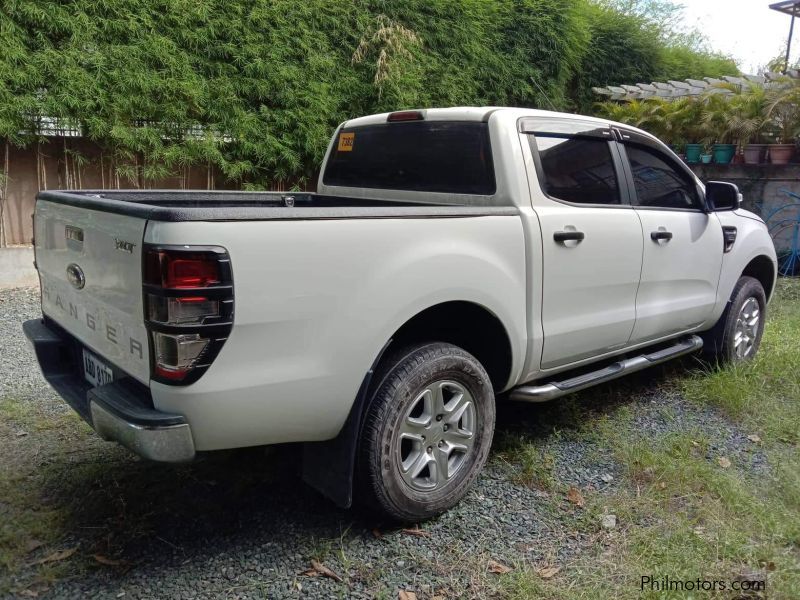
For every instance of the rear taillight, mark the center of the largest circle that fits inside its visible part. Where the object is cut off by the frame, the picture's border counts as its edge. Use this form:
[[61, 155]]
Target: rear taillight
[[188, 302]]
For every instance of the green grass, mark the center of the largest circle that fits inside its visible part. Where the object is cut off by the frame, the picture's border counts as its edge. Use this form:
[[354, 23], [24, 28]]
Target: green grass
[[764, 393], [530, 463], [681, 513], [26, 518]]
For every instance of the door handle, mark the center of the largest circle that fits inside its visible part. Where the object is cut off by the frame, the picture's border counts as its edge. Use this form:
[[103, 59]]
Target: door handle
[[660, 235], [567, 236]]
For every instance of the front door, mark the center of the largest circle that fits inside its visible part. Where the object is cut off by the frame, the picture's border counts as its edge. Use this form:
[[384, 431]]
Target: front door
[[591, 244], [683, 245]]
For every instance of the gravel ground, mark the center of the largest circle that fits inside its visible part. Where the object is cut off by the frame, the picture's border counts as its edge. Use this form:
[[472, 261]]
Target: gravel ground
[[19, 374], [242, 524], [667, 413]]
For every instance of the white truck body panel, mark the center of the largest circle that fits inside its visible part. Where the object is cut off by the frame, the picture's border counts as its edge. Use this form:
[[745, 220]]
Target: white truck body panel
[[589, 288], [107, 314], [678, 287], [312, 315]]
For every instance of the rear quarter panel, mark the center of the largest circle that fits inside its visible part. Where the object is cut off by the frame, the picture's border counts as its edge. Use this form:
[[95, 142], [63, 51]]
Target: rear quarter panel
[[316, 301]]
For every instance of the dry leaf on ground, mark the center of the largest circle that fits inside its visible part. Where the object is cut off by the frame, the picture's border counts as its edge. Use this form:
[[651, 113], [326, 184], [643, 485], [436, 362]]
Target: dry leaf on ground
[[56, 556], [405, 595], [724, 462], [416, 531], [548, 572], [109, 562], [754, 438], [574, 495], [317, 568], [498, 568]]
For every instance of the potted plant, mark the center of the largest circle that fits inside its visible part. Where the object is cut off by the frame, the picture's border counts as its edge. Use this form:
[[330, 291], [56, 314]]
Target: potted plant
[[784, 113], [723, 152], [706, 156], [690, 127], [748, 122], [754, 153], [694, 153], [716, 117]]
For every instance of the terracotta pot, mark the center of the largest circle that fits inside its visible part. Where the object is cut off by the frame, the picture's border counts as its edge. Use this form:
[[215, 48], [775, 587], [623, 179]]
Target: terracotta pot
[[780, 154], [755, 154]]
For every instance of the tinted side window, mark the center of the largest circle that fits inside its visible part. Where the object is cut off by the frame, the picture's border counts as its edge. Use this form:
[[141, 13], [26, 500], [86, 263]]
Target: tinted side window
[[658, 183], [579, 170]]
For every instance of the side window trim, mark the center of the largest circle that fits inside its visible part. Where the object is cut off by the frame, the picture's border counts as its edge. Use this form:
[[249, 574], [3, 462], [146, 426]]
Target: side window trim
[[626, 187], [624, 191], [632, 186], [627, 137]]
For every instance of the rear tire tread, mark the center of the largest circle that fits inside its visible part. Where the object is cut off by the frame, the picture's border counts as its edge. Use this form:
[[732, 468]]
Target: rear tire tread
[[394, 375]]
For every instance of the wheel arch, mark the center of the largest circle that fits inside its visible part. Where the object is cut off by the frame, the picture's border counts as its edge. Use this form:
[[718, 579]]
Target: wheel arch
[[762, 268], [329, 466], [467, 325]]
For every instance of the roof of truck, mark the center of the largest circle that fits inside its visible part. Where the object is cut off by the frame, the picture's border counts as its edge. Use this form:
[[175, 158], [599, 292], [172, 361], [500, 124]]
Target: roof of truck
[[469, 113], [482, 113]]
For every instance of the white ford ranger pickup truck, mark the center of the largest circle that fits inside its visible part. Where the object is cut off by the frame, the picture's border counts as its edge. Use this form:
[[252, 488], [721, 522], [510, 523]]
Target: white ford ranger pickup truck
[[450, 259]]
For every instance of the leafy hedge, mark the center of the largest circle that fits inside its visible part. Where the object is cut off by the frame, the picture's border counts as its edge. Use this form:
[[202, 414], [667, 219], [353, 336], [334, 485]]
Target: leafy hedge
[[266, 81]]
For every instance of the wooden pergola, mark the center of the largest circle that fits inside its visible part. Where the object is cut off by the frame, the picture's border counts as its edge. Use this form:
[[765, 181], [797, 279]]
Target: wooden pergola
[[691, 87]]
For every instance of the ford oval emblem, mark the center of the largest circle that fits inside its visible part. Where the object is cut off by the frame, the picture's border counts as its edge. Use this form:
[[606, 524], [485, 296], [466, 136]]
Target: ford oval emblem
[[75, 276]]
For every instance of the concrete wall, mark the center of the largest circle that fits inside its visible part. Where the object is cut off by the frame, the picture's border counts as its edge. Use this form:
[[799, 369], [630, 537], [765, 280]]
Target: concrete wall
[[16, 268], [764, 190]]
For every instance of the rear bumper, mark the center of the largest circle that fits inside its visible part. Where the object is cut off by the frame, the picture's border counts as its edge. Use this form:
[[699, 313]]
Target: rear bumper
[[121, 411]]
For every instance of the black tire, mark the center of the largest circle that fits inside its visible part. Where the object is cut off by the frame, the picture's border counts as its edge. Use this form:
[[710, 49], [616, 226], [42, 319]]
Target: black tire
[[720, 343], [407, 380]]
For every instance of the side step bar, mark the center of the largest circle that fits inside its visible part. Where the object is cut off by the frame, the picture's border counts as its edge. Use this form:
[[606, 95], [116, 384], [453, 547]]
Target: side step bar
[[554, 389]]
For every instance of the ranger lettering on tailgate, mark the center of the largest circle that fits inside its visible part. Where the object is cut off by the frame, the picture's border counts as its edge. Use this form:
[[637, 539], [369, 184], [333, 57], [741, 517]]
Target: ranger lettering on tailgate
[[94, 324]]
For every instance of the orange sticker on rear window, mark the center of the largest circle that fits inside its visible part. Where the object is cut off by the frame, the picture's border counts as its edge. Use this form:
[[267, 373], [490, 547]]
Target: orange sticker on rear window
[[346, 142]]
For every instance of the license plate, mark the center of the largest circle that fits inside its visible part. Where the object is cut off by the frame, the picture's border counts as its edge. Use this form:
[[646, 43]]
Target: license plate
[[96, 371]]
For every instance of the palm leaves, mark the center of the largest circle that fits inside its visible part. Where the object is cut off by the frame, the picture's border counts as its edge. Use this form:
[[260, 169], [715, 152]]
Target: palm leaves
[[728, 113], [674, 122], [783, 109]]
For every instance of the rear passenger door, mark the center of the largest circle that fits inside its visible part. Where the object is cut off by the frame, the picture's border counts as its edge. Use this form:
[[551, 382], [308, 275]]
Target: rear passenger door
[[591, 240], [683, 244]]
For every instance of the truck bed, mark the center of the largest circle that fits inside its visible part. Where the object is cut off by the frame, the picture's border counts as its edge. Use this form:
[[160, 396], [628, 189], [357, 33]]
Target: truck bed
[[218, 205]]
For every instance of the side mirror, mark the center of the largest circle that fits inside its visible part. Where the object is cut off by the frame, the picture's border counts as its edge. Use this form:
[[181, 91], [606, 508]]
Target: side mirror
[[722, 196]]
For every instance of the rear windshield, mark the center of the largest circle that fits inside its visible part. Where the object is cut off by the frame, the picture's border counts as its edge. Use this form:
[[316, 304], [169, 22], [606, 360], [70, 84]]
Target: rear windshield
[[425, 156]]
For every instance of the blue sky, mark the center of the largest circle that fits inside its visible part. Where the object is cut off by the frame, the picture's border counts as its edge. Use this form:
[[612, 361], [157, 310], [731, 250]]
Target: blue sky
[[745, 29]]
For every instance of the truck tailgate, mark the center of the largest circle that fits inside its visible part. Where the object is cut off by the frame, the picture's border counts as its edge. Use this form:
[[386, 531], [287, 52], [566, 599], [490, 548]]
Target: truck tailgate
[[90, 267]]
